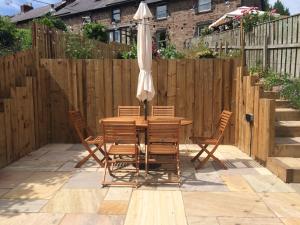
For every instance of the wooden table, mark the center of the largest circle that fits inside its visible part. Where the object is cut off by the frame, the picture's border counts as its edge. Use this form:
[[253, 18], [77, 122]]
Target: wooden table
[[142, 123]]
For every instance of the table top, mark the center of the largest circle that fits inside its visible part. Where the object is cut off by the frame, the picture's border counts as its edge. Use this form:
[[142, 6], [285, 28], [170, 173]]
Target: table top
[[141, 122]]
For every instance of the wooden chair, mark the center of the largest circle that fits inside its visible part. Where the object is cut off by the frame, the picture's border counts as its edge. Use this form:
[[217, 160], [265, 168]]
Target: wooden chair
[[87, 138], [120, 147], [129, 110], [215, 140], [161, 111], [163, 140]]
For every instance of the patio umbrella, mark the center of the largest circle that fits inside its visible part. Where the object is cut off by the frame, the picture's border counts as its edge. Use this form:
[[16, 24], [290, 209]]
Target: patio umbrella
[[236, 13], [145, 88]]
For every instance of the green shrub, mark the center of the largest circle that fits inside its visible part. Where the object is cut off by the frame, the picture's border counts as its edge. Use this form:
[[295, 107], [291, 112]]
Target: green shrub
[[131, 54], [205, 31], [77, 48], [52, 22], [170, 52], [291, 91], [288, 88], [206, 53], [95, 31], [13, 39], [24, 38], [251, 19]]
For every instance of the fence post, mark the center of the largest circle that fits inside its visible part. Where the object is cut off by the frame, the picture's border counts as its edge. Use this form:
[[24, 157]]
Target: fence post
[[220, 48], [226, 47], [265, 52]]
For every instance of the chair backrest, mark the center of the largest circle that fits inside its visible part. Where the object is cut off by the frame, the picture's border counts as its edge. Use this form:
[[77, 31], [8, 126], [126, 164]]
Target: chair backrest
[[223, 123], [129, 110], [79, 124], [168, 111], [163, 131], [119, 132]]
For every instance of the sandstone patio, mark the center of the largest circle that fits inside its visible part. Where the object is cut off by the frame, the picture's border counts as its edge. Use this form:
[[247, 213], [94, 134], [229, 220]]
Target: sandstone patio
[[44, 188]]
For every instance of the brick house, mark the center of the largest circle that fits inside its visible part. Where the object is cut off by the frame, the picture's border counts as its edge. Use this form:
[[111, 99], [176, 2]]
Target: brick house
[[173, 20]]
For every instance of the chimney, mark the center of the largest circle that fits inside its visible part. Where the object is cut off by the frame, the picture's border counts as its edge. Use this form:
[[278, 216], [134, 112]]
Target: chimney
[[26, 7]]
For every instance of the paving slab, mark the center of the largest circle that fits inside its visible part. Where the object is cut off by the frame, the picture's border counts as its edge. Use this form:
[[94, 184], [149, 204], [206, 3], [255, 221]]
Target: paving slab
[[10, 179], [285, 205], [291, 221], [232, 204], [34, 165], [156, 208], [92, 219], [199, 220], [249, 221], [31, 219], [267, 183], [4, 191], [19, 206], [113, 207], [236, 183], [85, 179], [40, 185], [76, 201], [202, 182], [118, 193]]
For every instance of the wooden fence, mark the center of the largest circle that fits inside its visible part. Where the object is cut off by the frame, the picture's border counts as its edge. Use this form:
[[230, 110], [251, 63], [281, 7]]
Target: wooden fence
[[17, 106], [199, 89], [52, 43], [256, 138], [274, 45], [34, 110]]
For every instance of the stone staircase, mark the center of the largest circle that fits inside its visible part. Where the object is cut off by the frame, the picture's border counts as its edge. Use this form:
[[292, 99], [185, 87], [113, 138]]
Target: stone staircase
[[285, 162]]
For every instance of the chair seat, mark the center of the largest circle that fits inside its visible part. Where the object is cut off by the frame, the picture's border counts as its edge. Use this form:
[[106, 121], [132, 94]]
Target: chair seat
[[122, 150], [94, 140], [159, 149], [204, 140]]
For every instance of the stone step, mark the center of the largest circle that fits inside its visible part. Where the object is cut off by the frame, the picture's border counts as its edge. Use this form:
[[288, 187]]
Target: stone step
[[286, 168], [287, 114], [287, 147], [287, 128], [281, 103]]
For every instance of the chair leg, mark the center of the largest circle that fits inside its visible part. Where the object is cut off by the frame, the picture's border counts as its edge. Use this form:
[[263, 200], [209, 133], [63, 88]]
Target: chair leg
[[105, 171], [86, 158], [215, 158], [146, 162], [203, 147], [178, 169]]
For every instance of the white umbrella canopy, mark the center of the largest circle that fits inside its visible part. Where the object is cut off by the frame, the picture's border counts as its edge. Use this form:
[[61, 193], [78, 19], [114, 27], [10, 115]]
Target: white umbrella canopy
[[238, 12], [145, 89]]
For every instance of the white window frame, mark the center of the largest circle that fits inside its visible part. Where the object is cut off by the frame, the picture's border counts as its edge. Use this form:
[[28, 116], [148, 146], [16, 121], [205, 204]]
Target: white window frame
[[164, 17], [204, 2]]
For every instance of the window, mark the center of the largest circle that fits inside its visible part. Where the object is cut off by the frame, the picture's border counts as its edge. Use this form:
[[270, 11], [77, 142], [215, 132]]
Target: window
[[161, 12], [204, 5], [200, 27], [115, 36], [116, 15], [161, 38]]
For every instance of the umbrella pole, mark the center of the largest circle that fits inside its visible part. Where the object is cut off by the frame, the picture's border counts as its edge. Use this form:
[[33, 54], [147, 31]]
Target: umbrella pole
[[146, 115], [145, 109]]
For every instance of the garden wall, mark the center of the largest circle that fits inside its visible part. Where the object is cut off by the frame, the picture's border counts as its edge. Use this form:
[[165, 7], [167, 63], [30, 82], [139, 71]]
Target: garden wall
[[256, 138]]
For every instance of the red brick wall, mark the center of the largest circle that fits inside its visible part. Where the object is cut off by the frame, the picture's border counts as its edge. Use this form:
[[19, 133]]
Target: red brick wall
[[180, 25]]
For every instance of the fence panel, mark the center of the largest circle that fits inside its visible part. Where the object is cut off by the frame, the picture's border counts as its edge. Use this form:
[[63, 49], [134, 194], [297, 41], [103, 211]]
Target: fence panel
[[190, 85], [52, 43], [274, 45]]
